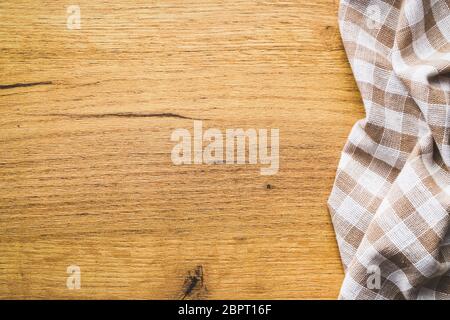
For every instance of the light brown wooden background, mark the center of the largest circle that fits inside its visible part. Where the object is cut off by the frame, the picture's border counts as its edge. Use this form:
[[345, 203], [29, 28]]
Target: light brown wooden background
[[85, 171]]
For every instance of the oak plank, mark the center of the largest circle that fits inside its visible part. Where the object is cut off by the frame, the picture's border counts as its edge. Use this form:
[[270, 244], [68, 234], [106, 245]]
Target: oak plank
[[82, 185]]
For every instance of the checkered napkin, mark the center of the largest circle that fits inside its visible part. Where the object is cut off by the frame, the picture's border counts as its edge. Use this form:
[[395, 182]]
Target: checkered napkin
[[390, 203]]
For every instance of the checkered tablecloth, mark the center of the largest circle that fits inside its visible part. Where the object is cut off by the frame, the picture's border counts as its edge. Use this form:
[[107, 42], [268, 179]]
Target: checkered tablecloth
[[390, 203]]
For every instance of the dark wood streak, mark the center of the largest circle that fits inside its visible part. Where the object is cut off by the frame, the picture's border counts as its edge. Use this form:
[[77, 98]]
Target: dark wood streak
[[123, 115], [24, 85]]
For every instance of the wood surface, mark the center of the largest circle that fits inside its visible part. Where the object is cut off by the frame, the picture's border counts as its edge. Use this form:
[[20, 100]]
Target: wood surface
[[86, 175]]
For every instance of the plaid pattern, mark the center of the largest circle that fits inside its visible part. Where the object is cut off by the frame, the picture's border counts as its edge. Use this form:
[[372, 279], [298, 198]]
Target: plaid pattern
[[390, 203]]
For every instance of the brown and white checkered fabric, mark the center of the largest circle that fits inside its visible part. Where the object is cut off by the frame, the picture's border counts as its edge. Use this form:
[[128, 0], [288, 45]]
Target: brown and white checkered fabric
[[390, 204]]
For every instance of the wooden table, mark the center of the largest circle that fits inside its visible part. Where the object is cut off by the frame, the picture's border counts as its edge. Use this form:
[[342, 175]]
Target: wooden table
[[86, 174]]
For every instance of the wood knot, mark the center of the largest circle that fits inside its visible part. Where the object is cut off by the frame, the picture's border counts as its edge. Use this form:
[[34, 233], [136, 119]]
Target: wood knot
[[194, 284]]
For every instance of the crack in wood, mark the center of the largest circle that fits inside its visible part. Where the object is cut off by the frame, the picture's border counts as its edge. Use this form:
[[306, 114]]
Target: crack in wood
[[123, 115], [24, 85]]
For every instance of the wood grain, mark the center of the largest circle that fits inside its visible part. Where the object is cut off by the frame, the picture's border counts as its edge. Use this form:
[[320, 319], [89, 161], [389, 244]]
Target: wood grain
[[85, 169]]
